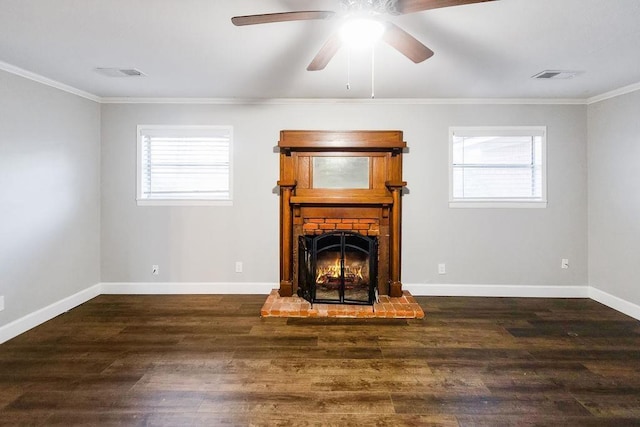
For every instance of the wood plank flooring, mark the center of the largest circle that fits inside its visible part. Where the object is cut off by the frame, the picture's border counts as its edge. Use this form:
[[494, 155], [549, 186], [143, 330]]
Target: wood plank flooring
[[211, 360]]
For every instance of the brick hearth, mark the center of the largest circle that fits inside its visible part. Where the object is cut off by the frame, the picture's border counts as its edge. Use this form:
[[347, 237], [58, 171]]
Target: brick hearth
[[404, 307]]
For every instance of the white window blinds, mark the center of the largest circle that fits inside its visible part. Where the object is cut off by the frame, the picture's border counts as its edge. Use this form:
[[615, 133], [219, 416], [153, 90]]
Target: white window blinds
[[184, 163], [498, 165]]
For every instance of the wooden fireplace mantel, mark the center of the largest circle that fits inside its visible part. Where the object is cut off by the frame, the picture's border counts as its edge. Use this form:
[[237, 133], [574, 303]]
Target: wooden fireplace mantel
[[307, 209]]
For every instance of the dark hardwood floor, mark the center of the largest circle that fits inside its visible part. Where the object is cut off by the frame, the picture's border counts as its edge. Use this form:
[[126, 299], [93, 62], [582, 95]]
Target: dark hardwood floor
[[211, 360]]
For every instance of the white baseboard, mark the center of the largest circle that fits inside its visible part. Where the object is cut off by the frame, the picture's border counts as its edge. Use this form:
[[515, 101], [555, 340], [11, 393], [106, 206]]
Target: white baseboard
[[623, 306], [38, 317], [31, 320], [23, 324], [173, 288], [519, 291]]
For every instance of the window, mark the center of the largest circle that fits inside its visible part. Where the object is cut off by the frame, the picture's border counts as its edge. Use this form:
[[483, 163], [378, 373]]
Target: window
[[184, 165], [497, 167]]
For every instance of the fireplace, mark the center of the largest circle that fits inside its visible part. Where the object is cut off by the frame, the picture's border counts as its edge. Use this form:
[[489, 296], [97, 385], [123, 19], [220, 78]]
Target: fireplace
[[338, 268], [340, 215]]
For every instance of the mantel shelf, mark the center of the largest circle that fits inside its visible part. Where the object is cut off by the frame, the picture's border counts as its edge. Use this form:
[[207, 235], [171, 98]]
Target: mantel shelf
[[360, 200], [363, 141]]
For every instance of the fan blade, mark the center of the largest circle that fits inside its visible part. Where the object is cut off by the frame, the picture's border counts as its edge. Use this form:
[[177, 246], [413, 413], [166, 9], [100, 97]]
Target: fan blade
[[406, 44], [325, 54], [411, 6], [281, 17]]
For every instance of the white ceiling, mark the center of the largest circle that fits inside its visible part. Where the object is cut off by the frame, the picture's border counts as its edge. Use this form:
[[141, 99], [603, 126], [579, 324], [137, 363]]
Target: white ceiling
[[190, 49]]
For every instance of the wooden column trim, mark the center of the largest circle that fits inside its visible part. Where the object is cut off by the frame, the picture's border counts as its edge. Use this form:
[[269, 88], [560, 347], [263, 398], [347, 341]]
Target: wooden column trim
[[395, 236], [286, 238]]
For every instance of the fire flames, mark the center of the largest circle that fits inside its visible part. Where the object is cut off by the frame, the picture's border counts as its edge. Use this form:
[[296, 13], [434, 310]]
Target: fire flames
[[329, 272]]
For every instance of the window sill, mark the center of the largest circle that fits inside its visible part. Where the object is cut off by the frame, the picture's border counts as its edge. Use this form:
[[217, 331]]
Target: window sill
[[184, 202], [497, 204]]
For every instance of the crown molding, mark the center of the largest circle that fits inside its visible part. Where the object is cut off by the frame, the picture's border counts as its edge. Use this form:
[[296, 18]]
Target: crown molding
[[316, 101], [614, 93], [345, 101], [47, 81]]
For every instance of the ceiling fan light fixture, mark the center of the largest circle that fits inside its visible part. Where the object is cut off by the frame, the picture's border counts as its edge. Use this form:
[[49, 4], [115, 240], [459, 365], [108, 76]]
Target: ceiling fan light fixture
[[361, 32]]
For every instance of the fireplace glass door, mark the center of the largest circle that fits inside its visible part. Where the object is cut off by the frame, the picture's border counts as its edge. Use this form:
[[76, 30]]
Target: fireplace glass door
[[338, 267]]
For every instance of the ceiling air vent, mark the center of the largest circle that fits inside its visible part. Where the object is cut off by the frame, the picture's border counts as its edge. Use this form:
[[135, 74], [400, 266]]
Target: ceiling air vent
[[555, 75], [120, 72]]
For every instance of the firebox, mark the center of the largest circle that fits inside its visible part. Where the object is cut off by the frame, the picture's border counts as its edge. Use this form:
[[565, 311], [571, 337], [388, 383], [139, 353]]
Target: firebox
[[338, 267]]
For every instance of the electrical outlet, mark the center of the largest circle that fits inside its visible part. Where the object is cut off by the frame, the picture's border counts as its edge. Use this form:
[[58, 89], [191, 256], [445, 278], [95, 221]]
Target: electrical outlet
[[442, 269], [1, 303], [155, 270], [238, 266], [565, 263]]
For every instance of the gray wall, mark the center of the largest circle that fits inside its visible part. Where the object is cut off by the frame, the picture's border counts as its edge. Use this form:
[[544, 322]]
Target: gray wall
[[52, 233], [49, 195], [479, 246], [614, 196]]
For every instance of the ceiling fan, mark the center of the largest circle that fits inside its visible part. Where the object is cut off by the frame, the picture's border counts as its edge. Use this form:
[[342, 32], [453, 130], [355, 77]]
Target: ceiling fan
[[359, 11]]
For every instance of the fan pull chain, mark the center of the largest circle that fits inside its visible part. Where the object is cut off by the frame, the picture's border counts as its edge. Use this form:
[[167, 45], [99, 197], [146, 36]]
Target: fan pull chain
[[349, 68], [373, 58]]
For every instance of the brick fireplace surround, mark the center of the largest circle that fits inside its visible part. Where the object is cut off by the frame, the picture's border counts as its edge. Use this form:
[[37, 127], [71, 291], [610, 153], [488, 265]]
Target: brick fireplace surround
[[317, 226], [311, 208]]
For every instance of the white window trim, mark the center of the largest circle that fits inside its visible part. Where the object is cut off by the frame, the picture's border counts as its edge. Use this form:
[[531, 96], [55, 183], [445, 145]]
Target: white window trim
[[499, 131], [185, 202]]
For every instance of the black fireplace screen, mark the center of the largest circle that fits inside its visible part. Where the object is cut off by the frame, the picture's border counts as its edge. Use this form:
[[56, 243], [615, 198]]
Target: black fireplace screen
[[338, 267]]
